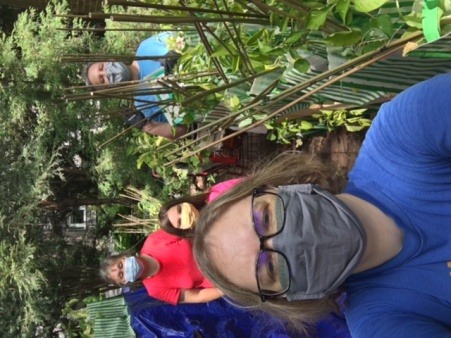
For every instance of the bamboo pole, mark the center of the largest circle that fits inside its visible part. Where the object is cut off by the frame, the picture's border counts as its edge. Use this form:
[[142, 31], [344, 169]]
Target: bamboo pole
[[124, 131], [176, 20], [223, 122], [136, 29], [131, 98], [180, 77], [71, 16], [238, 43], [217, 128], [118, 135], [209, 125], [175, 87], [208, 48], [287, 92], [111, 57], [224, 119], [226, 86], [358, 64], [182, 8]]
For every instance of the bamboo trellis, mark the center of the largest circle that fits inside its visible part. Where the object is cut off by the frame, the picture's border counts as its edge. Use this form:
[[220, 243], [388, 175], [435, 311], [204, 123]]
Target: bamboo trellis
[[268, 101], [133, 224]]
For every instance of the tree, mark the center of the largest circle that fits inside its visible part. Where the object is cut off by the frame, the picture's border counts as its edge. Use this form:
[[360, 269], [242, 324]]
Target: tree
[[48, 152]]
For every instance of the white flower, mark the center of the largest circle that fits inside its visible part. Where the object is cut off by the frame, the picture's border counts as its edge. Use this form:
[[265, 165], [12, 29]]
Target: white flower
[[179, 44]]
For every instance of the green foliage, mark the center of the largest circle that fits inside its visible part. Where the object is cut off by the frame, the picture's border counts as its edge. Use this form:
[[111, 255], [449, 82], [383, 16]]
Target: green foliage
[[352, 120], [40, 44], [348, 29], [124, 42], [114, 171], [76, 314], [175, 179], [127, 241], [144, 217], [341, 39], [342, 8], [41, 134], [20, 281], [33, 81], [326, 120], [148, 204], [316, 17], [368, 5]]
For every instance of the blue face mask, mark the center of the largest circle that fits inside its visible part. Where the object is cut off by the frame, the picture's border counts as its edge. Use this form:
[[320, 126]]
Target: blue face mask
[[133, 269]]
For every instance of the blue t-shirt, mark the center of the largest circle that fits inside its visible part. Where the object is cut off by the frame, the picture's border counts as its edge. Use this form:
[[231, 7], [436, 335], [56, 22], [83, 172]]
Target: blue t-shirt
[[404, 168], [153, 46]]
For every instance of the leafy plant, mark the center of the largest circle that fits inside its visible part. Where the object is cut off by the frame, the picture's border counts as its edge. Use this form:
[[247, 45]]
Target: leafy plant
[[41, 134], [353, 120], [76, 316], [175, 179], [123, 41], [326, 120], [20, 282]]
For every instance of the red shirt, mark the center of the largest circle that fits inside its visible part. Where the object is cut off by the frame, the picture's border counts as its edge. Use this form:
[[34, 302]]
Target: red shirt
[[178, 270]]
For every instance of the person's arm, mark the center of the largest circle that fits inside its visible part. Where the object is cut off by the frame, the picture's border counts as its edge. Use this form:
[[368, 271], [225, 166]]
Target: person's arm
[[199, 295], [397, 325], [417, 121], [383, 312], [163, 129]]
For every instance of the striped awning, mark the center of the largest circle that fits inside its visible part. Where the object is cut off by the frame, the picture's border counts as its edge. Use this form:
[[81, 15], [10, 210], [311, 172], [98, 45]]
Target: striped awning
[[111, 318]]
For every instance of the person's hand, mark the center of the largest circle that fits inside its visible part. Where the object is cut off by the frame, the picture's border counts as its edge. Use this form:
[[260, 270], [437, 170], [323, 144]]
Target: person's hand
[[136, 120], [169, 62]]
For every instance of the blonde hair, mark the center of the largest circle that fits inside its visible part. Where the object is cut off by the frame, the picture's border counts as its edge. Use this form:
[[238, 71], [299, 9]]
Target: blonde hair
[[286, 169]]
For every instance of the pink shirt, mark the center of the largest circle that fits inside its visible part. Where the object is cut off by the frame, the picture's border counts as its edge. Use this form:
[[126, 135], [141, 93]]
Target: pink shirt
[[220, 188]]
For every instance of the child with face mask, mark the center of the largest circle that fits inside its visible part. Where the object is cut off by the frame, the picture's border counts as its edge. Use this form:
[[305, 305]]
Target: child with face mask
[[288, 240]]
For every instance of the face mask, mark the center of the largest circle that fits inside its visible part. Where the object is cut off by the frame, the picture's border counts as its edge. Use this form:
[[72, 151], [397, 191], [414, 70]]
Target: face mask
[[117, 72], [133, 269], [188, 216], [322, 239]]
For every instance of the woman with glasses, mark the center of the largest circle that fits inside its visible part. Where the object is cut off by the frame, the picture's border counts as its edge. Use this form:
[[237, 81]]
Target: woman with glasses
[[290, 241]]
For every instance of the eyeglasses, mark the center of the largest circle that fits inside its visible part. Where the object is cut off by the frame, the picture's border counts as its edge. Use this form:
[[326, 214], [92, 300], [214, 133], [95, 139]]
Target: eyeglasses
[[272, 269]]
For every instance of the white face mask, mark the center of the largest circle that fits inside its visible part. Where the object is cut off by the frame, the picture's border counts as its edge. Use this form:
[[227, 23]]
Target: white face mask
[[322, 239], [117, 72], [133, 268]]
